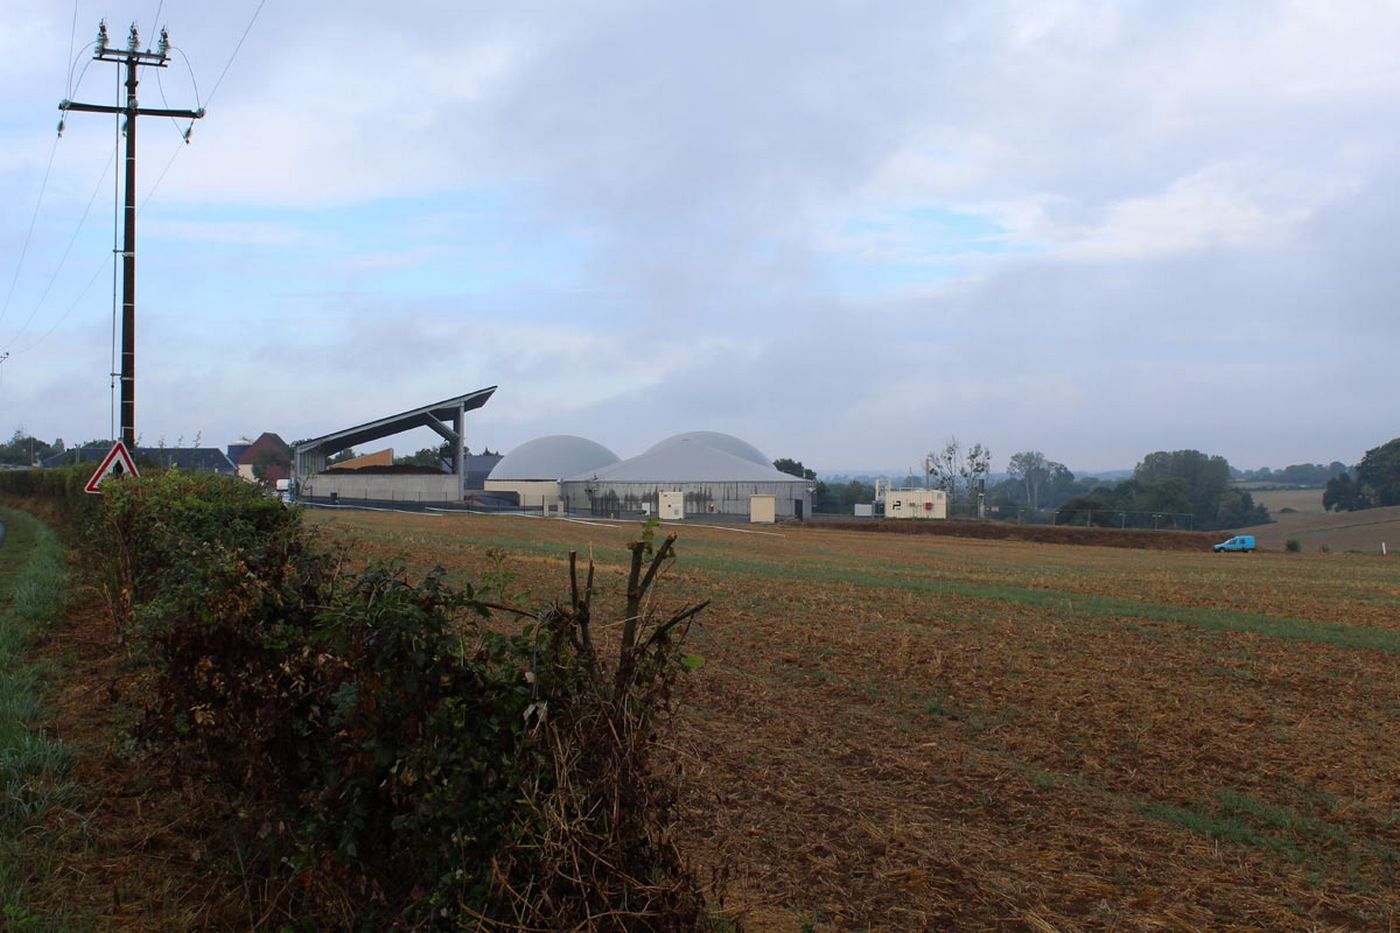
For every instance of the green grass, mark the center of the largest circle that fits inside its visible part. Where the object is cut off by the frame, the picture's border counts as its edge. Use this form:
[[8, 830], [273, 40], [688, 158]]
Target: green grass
[[33, 587]]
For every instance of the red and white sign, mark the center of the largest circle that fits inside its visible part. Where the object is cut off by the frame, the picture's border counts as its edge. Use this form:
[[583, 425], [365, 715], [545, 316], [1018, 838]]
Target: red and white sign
[[118, 462]]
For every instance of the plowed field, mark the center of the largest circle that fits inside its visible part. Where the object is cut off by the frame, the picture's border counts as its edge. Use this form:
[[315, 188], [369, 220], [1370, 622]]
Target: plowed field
[[905, 732]]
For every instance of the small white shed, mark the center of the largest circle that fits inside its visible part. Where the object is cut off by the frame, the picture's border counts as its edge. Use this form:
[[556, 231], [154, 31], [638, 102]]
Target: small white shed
[[916, 503]]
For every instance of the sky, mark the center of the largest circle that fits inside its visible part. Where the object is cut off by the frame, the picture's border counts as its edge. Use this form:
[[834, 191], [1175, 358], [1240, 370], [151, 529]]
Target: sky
[[842, 231]]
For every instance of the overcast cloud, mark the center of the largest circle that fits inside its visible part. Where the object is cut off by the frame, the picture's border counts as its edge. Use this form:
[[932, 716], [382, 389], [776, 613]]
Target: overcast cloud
[[842, 231]]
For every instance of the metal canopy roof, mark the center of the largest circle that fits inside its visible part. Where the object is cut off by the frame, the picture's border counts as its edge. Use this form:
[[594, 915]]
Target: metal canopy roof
[[428, 416]]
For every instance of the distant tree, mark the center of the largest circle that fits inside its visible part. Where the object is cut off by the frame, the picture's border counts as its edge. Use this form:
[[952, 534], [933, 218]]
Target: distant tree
[[24, 449], [1087, 510], [266, 458], [793, 468], [1189, 481], [1237, 509], [427, 457], [1379, 473], [1342, 494], [344, 455], [1032, 469], [976, 468], [958, 472], [841, 498], [1168, 495], [1059, 485], [1296, 474]]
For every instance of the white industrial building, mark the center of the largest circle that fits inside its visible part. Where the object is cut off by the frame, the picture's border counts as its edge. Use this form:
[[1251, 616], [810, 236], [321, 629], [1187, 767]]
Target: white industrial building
[[701, 473], [697, 474], [916, 503], [533, 470], [713, 473]]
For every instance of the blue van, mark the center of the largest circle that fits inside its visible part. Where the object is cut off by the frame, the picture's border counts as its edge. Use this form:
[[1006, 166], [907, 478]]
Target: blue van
[[1237, 543]]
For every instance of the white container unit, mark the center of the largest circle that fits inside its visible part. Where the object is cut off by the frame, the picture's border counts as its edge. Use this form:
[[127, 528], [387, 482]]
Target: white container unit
[[670, 506]]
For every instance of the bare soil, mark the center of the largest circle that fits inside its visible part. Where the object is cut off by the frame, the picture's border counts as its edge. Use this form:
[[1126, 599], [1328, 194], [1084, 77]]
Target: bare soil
[[913, 731], [1365, 530], [905, 732]]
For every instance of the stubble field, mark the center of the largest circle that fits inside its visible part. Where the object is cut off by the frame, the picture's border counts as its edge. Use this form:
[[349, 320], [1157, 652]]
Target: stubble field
[[917, 732]]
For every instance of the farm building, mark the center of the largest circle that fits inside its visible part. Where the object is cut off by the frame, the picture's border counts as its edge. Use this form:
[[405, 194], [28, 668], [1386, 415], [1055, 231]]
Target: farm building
[[447, 418], [700, 473], [269, 452], [695, 474], [533, 470]]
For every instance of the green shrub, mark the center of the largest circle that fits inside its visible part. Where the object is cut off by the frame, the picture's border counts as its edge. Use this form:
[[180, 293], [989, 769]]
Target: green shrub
[[403, 760], [60, 488], [1293, 545]]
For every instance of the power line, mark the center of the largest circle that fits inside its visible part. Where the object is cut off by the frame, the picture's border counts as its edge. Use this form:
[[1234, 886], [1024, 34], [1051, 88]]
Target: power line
[[236, 49], [71, 240], [64, 316], [72, 37], [24, 250], [116, 251], [48, 170]]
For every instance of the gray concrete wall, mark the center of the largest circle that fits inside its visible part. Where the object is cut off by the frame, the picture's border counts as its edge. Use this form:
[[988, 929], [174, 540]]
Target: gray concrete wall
[[385, 487]]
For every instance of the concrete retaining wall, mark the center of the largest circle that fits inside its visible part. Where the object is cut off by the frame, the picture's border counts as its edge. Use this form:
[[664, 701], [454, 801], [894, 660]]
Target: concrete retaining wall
[[388, 488]]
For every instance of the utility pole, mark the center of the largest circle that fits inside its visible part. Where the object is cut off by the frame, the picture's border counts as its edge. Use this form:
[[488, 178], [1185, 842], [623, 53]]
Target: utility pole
[[133, 59]]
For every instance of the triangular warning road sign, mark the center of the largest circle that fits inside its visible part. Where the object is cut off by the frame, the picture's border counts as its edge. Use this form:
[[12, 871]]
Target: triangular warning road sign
[[118, 462]]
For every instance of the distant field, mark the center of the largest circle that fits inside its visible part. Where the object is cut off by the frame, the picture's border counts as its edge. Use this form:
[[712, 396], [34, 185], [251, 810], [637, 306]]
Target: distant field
[[904, 732], [1301, 500], [1339, 531]]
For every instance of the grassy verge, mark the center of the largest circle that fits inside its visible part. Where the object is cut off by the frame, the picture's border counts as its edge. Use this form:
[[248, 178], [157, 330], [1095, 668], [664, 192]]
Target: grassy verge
[[33, 586]]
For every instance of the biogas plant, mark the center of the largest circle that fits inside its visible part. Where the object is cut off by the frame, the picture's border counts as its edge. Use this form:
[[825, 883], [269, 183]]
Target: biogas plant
[[697, 474]]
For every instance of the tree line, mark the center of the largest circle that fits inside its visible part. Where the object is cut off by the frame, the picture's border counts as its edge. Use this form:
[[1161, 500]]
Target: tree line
[[1375, 481], [1168, 489], [1297, 474]]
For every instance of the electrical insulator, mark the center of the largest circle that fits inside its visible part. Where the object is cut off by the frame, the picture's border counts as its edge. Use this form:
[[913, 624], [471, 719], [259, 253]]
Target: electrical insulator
[[163, 46], [133, 41], [101, 37]]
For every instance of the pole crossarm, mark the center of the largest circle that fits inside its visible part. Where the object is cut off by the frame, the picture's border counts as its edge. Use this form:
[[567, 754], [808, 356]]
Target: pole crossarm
[[72, 105]]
